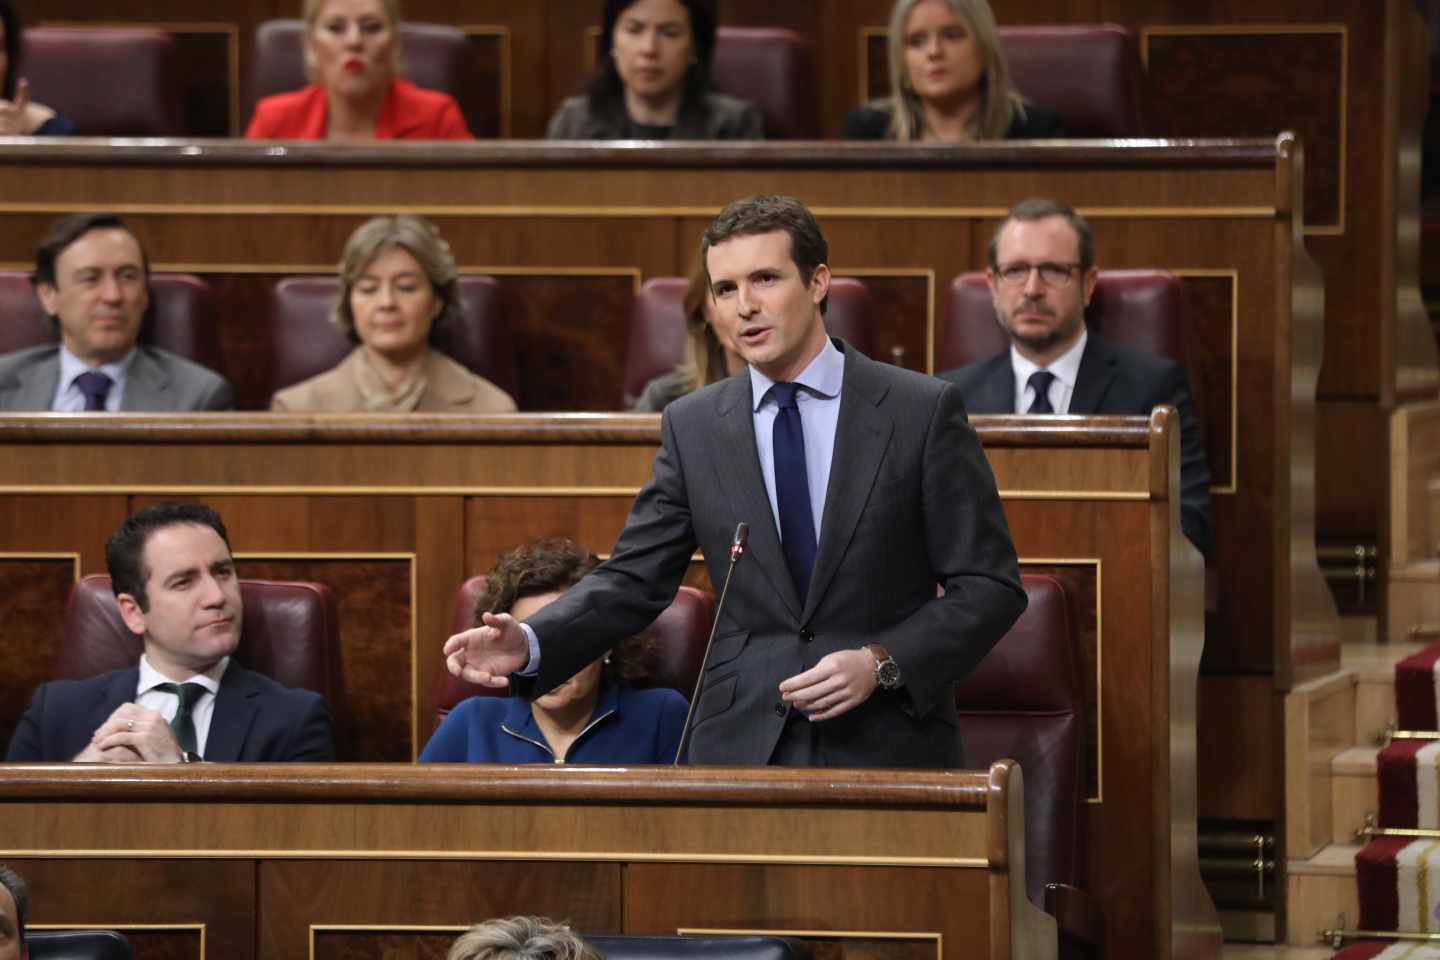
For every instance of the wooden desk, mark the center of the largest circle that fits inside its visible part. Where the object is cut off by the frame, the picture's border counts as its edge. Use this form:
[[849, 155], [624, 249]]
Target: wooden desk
[[306, 862], [395, 513]]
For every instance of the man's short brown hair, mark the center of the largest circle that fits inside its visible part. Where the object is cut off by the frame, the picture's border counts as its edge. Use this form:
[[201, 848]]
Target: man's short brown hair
[[766, 214]]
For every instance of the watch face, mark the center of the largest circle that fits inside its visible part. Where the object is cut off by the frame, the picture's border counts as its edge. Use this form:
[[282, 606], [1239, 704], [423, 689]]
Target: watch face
[[887, 673]]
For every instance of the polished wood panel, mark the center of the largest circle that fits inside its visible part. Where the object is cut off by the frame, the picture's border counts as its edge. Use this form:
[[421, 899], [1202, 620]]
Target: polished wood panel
[[180, 909], [37, 587], [1240, 749]]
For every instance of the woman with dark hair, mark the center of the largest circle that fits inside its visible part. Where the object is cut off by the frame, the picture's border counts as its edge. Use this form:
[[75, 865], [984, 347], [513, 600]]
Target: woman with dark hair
[[653, 80], [594, 717], [707, 358], [949, 82], [399, 287], [19, 115]]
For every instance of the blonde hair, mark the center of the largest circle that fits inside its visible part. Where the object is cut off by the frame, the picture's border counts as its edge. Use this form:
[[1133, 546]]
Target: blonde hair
[[705, 361], [1000, 102], [310, 13], [422, 240], [521, 938]]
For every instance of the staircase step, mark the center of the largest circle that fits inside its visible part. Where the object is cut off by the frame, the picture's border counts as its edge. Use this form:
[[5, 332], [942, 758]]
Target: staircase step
[[1319, 890], [1353, 791]]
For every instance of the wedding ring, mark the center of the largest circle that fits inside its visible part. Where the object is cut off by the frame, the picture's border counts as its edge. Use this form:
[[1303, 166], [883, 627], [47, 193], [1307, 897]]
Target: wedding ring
[[129, 724]]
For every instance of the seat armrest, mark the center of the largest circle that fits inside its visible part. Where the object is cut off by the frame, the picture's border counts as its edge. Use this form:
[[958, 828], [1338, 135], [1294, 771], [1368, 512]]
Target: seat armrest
[[1080, 919]]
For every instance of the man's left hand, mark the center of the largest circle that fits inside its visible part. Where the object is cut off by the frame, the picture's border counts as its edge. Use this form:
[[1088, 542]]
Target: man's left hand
[[142, 730], [839, 683]]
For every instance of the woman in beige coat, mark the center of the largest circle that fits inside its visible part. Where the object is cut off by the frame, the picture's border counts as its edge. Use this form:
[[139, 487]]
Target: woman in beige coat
[[399, 286]]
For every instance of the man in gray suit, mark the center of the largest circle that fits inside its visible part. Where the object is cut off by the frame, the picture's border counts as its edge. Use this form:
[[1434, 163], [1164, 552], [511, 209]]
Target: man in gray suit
[[93, 281], [864, 488]]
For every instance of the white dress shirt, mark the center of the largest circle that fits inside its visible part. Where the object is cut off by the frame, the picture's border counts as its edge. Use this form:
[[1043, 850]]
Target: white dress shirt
[[167, 703], [1066, 369]]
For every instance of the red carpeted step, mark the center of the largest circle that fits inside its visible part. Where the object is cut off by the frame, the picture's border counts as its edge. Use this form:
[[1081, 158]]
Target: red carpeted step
[[1364, 950], [1376, 875], [1388, 950], [1396, 768], [1415, 690]]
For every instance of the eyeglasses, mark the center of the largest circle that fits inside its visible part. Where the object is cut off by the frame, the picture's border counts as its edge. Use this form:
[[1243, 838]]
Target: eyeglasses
[[1051, 274]]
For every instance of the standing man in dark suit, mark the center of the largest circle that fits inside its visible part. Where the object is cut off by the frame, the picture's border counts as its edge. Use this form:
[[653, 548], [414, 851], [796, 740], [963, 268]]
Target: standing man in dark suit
[[93, 281], [864, 488], [1042, 274], [186, 700]]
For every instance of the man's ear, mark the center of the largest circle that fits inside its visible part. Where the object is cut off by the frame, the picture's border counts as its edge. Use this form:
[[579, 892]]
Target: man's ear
[[819, 283], [49, 298], [1091, 277], [131, 613]]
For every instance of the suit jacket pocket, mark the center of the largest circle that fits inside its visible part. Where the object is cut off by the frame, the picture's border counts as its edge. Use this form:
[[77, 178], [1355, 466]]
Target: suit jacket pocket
[[727, 647], [716, 698]]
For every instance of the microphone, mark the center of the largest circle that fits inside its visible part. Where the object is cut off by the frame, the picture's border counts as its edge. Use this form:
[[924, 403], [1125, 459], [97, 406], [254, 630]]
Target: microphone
[[737, 550]]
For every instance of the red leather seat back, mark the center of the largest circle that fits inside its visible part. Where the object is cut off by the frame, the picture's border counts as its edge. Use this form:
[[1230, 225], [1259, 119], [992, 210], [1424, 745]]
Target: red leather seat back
[[1140, 309], [291, 633], [772, 69], [432, 56], [304, 341], [1089, 74], [109, 81], [1025, 701], [680, 631], [182, 319], [657, 327]]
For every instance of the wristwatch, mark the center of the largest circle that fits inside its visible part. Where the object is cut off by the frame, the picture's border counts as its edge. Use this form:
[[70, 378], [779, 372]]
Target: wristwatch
[[887, 671]]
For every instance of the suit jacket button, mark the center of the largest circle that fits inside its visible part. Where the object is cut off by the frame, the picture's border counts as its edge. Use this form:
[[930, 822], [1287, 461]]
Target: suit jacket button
[[780, 708], [806, 635]]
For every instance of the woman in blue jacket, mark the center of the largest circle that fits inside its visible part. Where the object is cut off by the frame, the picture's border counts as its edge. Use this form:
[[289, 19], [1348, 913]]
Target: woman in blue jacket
[[596, 716]]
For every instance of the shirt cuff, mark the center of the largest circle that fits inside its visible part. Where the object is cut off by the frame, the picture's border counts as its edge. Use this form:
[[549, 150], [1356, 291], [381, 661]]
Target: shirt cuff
[[532, 668]]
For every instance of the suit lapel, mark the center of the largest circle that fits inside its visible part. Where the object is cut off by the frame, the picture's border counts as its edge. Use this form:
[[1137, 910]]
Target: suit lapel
[[120, 689], [862, 435], [738, 472], [146, 384], [995, 392], [235, 707], [34, 385], [1094, 377]]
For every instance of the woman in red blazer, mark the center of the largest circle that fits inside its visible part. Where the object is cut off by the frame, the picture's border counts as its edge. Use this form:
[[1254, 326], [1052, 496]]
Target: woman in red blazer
[[350, 52]]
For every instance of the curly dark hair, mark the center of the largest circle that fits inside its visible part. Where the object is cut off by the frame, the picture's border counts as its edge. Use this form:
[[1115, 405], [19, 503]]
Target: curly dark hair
[[554, 565]]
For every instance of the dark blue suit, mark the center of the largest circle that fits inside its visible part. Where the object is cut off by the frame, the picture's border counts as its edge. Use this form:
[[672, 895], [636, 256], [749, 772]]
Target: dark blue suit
[[255, 718], [628, 726], [1117, 381]]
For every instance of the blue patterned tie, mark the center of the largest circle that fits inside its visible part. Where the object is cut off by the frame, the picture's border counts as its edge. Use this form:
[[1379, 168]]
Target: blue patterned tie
[[1041, 380], [96, 387], [792, 488]]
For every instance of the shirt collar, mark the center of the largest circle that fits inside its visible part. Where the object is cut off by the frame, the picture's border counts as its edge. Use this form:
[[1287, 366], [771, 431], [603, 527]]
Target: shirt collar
[[1066, 367], [150, 678], [72, 366], [823, 376], [521, 718]]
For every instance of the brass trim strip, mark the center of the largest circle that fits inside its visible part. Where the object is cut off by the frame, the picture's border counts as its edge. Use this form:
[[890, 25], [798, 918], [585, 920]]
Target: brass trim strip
[[72, 555], [1233, 486], [1098, 564], [1108, 495], [965, 863], [329, 491], [1279, 29], [451, 211]]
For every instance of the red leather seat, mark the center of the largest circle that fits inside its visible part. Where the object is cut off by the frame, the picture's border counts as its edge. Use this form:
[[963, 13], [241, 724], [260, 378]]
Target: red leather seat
[[772, 69], [291, 634], [433, 56], [109, 81], [1141, 309], [304, 341], [181, 320], [681, 632], [1089, 74], [657, 327]]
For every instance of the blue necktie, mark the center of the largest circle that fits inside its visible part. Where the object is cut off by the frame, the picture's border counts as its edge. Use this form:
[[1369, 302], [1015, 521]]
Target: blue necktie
[[96, 387], [792, 488], [1041, 380]]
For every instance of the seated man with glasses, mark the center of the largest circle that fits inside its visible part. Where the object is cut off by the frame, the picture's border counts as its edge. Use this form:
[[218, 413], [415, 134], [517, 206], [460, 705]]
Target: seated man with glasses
[[1042, 274]]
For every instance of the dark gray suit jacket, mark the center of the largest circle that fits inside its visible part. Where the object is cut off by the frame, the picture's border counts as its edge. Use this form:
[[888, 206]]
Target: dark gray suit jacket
[[255, 718], [1117, 381], [158, 381], [911, 504]]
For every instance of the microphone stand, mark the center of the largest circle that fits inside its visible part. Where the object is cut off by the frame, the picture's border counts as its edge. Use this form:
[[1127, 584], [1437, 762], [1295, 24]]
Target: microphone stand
[[737, 550]]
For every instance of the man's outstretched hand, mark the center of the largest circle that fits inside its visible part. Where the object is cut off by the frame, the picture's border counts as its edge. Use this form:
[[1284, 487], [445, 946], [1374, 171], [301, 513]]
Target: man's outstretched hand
[[489, 653]]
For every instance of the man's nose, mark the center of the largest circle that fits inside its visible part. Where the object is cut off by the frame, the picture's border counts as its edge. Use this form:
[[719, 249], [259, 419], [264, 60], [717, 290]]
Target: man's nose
[[212, 594], [745, 305], [110, 288], [1033, 286]]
